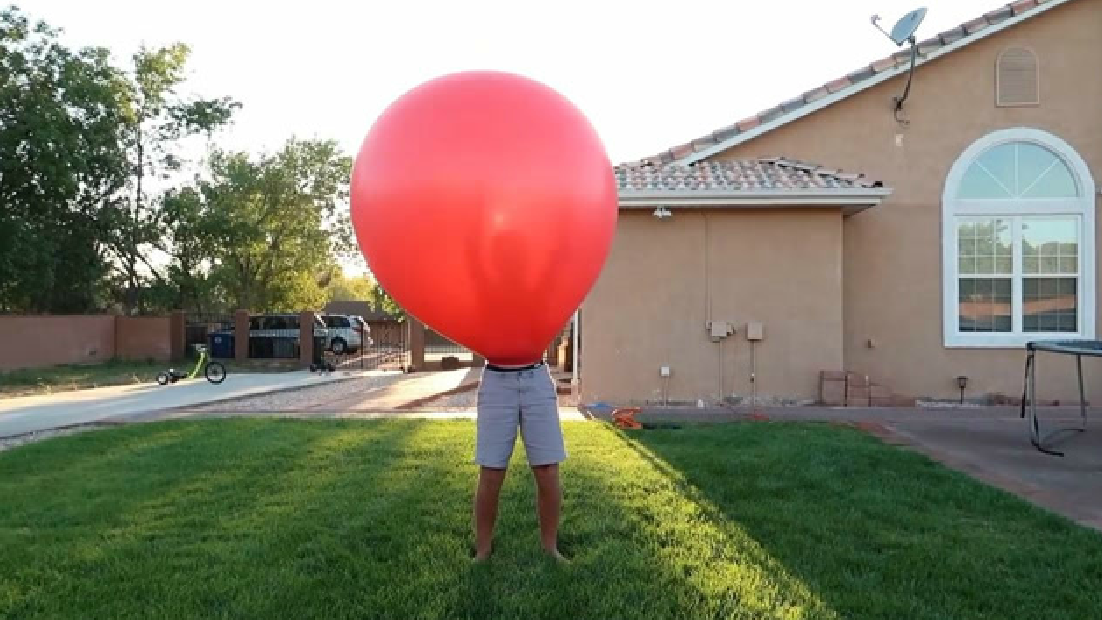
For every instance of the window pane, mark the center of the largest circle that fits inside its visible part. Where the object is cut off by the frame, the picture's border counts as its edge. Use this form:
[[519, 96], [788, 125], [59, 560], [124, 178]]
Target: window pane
[[966, 246], [984, 305], [999, 163], [1050, 305], [1055, 243], [982, 182], [1041, 174], [984, 247]]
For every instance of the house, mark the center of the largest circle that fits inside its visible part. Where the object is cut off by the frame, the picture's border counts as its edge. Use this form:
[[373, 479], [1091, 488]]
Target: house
[[924, 243]]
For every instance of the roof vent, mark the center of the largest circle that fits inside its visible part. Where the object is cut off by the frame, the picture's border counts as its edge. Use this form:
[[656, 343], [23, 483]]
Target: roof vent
[[1016, 80]]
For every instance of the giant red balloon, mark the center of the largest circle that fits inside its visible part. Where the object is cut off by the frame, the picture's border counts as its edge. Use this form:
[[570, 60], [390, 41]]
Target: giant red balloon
[[485, 204]]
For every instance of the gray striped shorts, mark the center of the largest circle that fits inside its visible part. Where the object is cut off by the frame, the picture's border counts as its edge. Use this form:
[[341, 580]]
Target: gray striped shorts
[[524, 399]]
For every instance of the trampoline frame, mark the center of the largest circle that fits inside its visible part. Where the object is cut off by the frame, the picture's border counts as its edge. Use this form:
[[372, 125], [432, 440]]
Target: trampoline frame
[[1029, 390]]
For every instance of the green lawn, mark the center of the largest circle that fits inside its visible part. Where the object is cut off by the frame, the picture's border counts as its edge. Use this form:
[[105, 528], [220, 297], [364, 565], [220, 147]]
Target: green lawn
[[78, 377], [257, 518]]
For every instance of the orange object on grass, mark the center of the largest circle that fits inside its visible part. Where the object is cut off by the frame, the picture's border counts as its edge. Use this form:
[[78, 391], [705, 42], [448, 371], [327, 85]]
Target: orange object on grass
[[624, 417]]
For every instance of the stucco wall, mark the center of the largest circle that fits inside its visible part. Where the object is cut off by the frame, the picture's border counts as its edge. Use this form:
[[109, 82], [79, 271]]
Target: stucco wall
[[34, 341], [651, 302], [892, 257], [140, 338]]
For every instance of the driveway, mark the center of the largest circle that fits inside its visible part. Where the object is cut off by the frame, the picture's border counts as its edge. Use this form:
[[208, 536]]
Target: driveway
[[35, 413]]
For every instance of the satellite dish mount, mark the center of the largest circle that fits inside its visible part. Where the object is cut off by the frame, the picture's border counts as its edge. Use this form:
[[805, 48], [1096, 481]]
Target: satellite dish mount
[[904, 32]]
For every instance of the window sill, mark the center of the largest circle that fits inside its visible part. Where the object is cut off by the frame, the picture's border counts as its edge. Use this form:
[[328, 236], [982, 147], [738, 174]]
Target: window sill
[[1014, 342]]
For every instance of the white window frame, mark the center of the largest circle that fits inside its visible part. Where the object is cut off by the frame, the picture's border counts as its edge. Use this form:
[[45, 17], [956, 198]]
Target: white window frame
[[954, 208]]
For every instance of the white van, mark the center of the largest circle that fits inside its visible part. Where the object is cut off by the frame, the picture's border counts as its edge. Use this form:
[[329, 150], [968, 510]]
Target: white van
[[344, 333]]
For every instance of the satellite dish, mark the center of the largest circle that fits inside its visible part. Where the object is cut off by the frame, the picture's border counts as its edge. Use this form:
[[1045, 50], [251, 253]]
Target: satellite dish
[[905, 28], [903, 32]]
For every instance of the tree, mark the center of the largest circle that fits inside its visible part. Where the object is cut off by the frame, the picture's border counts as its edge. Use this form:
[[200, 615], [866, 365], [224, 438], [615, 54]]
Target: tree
[[156, 122], [343, 288], [261, 233], [62, 165], [384, 302], [80, 142], [363, 288]]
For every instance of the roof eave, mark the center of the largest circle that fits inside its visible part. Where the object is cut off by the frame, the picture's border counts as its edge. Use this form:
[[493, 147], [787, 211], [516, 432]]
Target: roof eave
[[850, 200], [887, 74]]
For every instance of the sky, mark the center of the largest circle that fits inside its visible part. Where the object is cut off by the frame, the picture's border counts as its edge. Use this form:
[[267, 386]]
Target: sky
[[648, 74]]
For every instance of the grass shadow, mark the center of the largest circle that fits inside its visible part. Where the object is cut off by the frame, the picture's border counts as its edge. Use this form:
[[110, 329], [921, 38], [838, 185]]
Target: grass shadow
[[878, 532]]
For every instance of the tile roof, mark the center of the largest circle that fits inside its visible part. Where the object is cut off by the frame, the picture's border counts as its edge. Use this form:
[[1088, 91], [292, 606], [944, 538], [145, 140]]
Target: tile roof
[[973, 29], [775, 173]]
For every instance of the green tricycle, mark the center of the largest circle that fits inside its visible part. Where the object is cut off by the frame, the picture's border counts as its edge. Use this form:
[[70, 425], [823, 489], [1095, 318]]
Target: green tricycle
[[214, 371]]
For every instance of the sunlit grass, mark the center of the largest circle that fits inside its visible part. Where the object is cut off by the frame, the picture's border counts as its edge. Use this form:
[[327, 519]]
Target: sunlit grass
[[257, 518], [78, 376]]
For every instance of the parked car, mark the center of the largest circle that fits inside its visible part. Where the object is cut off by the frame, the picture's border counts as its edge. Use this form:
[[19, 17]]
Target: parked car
[[344, 333], [364, 328]]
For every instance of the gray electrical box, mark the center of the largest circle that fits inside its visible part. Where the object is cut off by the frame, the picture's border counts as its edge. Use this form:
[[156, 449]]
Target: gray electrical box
[[755, 331]]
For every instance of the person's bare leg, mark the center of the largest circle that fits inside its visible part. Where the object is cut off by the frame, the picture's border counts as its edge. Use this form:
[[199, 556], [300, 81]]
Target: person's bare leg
[[549, 502], [485, 510]]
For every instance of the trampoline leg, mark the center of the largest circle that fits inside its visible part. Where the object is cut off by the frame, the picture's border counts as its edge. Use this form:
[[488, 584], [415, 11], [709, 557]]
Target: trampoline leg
[[1082, 395], [1035, 424], [1025, 384], [1036, 435]]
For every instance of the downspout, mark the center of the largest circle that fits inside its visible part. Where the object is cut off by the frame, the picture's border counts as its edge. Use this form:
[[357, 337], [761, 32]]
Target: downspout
[[574, 352]]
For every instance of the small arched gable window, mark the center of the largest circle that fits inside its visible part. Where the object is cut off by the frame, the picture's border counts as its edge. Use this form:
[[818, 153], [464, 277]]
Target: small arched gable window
[[1016, 78]]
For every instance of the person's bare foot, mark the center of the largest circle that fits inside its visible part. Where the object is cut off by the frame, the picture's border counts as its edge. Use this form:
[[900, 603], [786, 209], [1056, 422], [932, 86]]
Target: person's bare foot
[[555, 555], [480, 557]]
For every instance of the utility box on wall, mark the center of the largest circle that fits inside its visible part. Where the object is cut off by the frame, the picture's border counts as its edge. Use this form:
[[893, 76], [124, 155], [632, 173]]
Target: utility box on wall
[[718, 330], [755, 331]]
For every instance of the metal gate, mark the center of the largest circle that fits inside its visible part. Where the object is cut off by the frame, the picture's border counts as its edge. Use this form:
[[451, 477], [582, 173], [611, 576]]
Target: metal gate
[[437, 348], [384, 345], [198, 328]]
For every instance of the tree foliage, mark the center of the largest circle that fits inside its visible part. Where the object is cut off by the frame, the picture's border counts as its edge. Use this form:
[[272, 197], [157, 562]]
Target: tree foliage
[[261, 232], [62, 166], [100, 207], [157, 121], [362, 288]]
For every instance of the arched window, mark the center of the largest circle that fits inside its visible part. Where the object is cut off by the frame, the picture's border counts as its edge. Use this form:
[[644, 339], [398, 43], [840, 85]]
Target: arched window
[[1018, 241]]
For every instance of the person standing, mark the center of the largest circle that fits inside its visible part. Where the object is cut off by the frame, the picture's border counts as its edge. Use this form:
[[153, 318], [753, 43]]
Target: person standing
[[512, 398]]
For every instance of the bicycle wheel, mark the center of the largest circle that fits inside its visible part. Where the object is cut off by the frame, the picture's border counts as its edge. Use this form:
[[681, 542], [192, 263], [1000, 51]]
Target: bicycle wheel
[[216, 372]]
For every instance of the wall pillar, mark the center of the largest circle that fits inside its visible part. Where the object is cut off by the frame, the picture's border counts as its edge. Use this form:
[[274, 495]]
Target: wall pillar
[[177, 335], [305, 339], [416, 344]]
